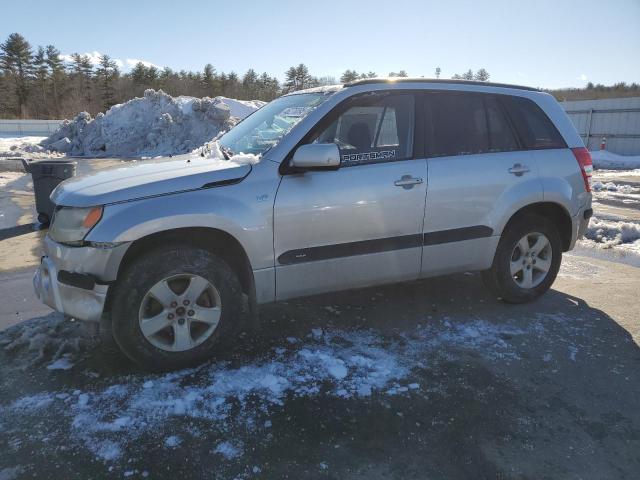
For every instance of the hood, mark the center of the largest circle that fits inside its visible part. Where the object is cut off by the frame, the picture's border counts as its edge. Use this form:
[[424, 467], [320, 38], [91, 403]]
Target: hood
[[148, 178]]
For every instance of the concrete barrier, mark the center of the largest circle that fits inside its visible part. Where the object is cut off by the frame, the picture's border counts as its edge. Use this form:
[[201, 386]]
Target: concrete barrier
[[36, 128]]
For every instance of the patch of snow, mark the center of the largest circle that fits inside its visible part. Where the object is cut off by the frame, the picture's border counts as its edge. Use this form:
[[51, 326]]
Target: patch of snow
[[613, 187], [608, 160], [154, 125], [46, 339], [61, 364], [172, 441], [343, 364], [24, 147], [241, 108], [617, 173], [11, 473], [228, 450], [212, 150], [9, 177], [611, 233], [614, 191]]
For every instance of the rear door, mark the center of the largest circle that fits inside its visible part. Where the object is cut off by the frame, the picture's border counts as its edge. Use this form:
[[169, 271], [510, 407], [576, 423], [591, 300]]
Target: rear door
[[478, 171]]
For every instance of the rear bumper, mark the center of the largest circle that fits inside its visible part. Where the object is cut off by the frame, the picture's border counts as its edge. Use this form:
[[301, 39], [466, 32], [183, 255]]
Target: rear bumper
[[75, 280], [579, 224]]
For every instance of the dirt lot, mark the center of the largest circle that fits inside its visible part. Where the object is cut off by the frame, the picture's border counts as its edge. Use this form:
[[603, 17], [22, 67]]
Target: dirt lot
[[431, 379]]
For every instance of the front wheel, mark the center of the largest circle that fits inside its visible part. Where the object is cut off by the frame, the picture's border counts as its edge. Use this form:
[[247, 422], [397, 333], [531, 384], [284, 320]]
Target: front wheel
[[175, 307], [527, 260]]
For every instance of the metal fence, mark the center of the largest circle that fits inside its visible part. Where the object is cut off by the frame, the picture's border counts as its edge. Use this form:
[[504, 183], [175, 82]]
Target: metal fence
[[615, 119], [38, 128]]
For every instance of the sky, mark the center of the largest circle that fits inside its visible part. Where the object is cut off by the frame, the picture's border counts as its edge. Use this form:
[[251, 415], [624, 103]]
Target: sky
[[547, 44]]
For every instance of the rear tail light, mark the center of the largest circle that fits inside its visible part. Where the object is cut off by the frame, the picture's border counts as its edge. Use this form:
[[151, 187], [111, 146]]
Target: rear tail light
[[586, 165]]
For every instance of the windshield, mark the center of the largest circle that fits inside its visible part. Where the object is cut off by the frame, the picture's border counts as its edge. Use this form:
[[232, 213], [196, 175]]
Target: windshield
[[264, 129]]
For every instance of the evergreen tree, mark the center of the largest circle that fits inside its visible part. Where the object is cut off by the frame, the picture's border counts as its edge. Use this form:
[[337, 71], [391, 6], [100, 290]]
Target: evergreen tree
[[209, 80], [82, 72], [56, 74], [468, 75], [16, 64], [290, 80], [349, 76], [482, 75], [250, 84], [41, 73], [107, 72]]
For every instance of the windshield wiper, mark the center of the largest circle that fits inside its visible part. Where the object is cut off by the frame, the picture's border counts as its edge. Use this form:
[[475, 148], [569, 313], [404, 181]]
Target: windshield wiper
[[226, 152]]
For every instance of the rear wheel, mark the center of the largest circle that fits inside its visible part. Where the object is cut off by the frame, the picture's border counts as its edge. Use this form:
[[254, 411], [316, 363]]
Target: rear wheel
[[175, 307], [527, 260]]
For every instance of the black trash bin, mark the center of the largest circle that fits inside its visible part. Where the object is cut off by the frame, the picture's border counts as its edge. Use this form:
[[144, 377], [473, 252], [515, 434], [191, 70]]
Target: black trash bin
[[47, 174]]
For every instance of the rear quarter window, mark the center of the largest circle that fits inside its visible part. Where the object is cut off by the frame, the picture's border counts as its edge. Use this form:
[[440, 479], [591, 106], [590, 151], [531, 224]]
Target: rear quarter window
[[534, 128]]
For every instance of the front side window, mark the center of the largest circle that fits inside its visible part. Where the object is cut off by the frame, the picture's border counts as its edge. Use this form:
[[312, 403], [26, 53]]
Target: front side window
[[265, 128], [373, 129]]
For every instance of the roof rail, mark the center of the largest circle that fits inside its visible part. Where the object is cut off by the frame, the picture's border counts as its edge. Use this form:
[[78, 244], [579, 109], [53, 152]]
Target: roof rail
[[365, 81]]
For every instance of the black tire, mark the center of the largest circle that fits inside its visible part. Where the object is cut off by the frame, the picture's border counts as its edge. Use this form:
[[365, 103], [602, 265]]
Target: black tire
[[142, 274], [498, 278]]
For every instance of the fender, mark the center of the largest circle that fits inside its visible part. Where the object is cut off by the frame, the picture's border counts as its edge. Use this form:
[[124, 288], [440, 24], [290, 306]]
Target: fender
[[512, 200], [234, 209]]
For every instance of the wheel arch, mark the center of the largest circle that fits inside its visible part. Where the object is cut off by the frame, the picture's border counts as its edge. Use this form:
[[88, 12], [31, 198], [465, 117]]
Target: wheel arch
[[214, 240], [552, 211]]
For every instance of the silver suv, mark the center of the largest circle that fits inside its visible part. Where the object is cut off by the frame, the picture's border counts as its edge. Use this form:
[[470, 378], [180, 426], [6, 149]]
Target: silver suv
[[335, 188]]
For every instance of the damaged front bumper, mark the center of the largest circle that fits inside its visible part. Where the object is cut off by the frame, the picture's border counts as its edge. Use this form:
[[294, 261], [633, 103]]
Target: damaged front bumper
[[75, 280]]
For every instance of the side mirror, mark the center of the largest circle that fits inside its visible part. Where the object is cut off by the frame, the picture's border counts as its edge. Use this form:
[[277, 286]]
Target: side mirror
[[317, 155]]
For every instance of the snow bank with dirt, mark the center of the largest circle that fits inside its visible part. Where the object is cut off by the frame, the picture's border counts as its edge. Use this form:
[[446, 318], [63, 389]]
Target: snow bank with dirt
[[611, 233], [24, 147], [156, 124], [608, 160]]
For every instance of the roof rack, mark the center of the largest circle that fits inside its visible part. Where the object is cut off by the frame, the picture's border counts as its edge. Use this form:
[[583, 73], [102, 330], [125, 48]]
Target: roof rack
[[365, 81]]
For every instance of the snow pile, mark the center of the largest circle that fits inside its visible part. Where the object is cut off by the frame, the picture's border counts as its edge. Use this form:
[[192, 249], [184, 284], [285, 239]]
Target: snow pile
[[154, 125], [608, 160], [614, 187], [24, 147], [609, 233], [613, 191]]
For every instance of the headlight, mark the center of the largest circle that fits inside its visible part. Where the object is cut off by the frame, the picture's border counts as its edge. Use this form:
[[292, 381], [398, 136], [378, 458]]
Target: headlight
[[71, 224]]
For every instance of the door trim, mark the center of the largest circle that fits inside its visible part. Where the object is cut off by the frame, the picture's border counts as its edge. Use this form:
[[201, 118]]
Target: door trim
[[363, 247]]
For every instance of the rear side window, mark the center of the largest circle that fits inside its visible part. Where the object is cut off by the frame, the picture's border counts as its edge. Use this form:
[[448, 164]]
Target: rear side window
[[373, 129], [534, 127], [501, 136], [466, 124], [458, 125]]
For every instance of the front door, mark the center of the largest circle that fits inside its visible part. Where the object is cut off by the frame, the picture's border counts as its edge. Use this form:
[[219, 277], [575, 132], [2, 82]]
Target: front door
[[362, 224]]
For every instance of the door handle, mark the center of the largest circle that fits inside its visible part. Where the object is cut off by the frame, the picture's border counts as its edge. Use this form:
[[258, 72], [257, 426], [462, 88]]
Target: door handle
[[518, 169], [407, 182]]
